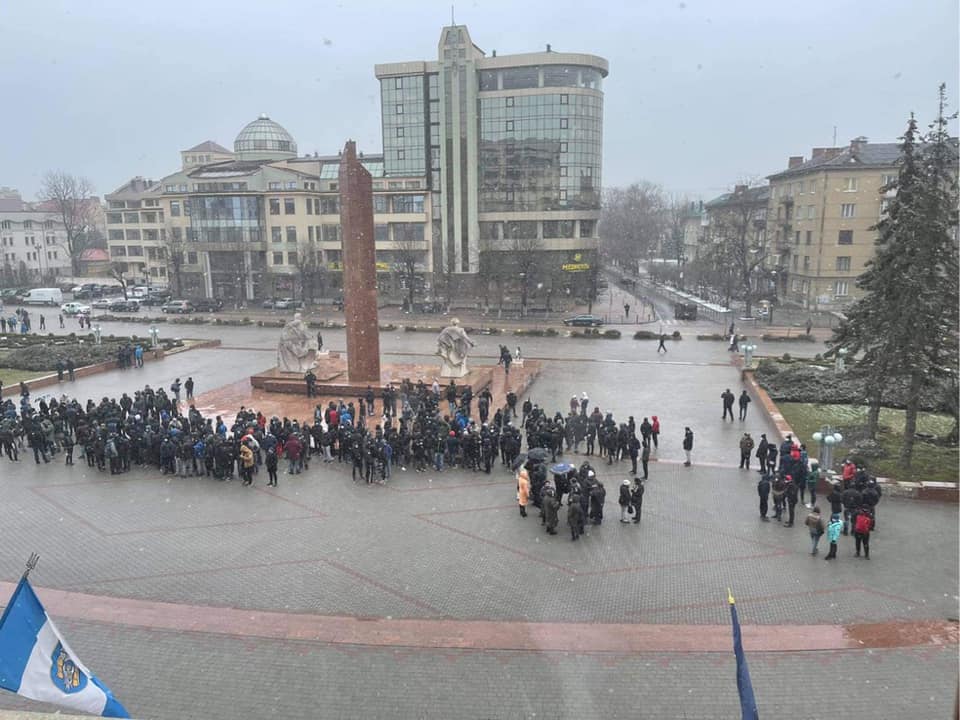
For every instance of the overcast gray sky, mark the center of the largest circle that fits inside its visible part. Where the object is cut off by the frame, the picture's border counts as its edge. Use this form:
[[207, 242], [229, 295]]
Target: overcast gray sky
[[700, 94]]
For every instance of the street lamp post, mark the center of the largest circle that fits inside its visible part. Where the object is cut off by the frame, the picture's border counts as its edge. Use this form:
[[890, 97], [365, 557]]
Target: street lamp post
[[748, 351], [841, 357], [154, 336], [96, 332], [827, 438]]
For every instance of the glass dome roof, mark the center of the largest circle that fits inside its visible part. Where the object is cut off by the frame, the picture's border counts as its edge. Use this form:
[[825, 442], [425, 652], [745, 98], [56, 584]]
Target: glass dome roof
[[263, 139]]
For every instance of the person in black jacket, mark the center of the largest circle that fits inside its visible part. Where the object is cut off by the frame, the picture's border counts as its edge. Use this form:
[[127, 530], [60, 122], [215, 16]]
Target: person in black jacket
[[763, 490], [575, 517], [688, 443], [762, 451], [551, 509], [871, 496], [835, 498], [645, 459], [791, 498], [637, 499], [852, 499]]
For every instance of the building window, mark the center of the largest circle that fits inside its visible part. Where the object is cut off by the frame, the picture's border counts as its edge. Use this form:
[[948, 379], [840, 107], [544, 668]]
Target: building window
[[135, 250], [175, 208], [292, 257], [274, 206], [888, 180], [840, 288], [563, 147], [564, 99], [191, 258], [796, 260], [398, 83], [811, 212], [316, 206], [278, 258], [509, 126], [289, 206], [843, 262], [850, 184], [845, 237], [380, 204], [509, 101], [796, 238], [408, 203], [806, 262], [884, 206], [310, 233], [563, 123], [309, 206], [563, 171], [400, 154], [274, 186], [563, 196], [329, 206], [291, 184], [330, 233], [587, 228], [399, 109], [399, 132], [291, 233], [118, 251], [809, 236], [848, 210], [276, 234]]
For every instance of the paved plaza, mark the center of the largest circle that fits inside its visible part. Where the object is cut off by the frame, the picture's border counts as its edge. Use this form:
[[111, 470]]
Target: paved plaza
[[431, 597]]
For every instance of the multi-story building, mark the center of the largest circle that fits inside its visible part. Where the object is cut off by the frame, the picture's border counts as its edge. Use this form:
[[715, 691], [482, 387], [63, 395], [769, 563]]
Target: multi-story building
[[823, 210], [483, 158], [136, 231], [510, 147], [33, 242]]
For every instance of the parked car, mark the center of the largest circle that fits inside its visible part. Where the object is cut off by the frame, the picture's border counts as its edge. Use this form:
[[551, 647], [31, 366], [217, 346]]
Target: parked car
[[178, 307], [287, 304], [269, 303], [207, 304], [103, 303], [75, 308], [44, 296], [121, 305], [156, 299], [584, 321]]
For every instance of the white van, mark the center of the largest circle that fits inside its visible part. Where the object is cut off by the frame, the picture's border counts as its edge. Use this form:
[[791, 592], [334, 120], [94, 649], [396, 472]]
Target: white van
[[43, 296]]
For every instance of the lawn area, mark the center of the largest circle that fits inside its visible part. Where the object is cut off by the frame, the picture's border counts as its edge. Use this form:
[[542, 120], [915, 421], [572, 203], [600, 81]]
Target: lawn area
[[11, 377], [930, 462]]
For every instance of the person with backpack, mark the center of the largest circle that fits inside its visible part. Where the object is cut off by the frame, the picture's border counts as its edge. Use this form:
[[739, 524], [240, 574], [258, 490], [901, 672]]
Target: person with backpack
[[862, 525], [175, 389], [790, 496], [746, 450], [815, 524], [833, 535], [271, 463], [779, 491]]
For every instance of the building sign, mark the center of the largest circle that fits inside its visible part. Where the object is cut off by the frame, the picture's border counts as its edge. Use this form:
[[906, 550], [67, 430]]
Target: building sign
[[577, 265], [337, 265]]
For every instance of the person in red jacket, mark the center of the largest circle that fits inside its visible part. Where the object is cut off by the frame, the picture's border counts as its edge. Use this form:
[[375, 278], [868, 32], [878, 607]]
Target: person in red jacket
[[655, 431], [862, 525], [293, 449]]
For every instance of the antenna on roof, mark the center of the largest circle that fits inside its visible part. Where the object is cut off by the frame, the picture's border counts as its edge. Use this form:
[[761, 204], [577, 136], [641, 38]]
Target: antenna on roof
[[452, 21], [834, 136]]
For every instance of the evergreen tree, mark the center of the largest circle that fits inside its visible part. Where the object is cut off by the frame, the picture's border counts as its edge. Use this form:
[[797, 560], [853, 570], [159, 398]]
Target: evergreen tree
[[905, 325]]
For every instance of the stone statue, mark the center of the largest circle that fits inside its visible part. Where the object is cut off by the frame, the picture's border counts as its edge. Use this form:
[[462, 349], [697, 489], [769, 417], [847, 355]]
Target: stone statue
[[295, 352], [452, 347]]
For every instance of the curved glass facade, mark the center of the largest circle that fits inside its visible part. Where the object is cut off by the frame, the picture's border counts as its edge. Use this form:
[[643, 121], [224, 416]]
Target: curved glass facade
[[225, 218], [535, 76], [540, 152]]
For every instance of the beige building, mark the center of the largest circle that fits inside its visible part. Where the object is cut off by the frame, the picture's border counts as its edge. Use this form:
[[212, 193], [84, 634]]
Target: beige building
[[821, 213], [259, 221]]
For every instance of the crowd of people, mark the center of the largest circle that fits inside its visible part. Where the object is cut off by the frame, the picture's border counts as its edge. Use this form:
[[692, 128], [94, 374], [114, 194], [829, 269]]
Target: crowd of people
[[787, 473]]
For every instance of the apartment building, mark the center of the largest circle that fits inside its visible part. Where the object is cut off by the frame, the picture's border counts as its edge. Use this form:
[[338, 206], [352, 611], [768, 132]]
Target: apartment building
[[33, 241], [822, 211], [136, 231]]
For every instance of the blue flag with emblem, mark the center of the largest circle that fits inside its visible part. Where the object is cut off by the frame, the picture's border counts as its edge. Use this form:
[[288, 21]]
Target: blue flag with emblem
[[37, 663], [748, 703]]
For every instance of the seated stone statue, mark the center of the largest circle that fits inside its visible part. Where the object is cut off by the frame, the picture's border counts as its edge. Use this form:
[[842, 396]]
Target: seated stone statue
[[453, 345], [295, 352]]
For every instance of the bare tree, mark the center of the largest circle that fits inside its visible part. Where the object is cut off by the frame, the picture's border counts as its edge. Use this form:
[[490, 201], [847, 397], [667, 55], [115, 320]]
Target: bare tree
[[408, 251], [118, 272], [526, 254], [71, 199], [174, 246], [309, 268], [738, 235], [633, 221]]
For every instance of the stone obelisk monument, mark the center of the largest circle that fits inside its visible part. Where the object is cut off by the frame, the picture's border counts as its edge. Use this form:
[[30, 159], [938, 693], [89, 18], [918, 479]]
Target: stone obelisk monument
[[359, 269]]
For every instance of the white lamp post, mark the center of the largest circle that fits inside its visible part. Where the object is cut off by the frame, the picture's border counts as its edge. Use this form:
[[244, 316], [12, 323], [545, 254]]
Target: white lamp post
[[841, 356], [96, 332], [154, 336], [827, 439], [748, 351]]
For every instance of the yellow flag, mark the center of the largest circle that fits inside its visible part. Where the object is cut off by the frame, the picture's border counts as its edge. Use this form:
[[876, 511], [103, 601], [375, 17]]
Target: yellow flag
[[729, 596]]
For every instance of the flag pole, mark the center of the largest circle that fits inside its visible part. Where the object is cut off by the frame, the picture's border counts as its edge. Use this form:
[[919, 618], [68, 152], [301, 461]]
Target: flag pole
[[31, 564]]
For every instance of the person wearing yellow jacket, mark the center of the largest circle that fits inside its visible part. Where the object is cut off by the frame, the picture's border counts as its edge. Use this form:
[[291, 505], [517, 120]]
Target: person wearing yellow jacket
[[523, 491]]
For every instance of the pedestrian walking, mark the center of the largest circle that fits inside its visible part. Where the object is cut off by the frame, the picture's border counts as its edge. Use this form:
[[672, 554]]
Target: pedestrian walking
[[43, 322], [70, 369], [271, 462], [645, 459], [815, 524], [744, 402], [762, 448], [60, 316], [662, 345], [728, 399], [523, 490], [687, 444], [655, 431]]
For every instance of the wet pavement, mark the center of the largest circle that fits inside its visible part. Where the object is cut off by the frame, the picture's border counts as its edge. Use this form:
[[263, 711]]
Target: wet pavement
[[431, 597]]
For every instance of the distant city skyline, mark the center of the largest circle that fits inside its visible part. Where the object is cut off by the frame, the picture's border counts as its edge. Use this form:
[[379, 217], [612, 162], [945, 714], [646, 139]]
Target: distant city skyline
[[699, 96]]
